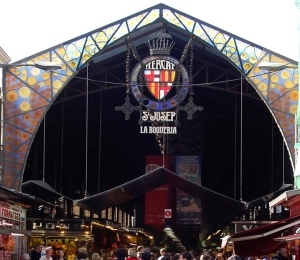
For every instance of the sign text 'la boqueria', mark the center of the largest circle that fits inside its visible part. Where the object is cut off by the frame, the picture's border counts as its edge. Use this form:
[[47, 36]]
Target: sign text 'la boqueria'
[[169, 116], [158, 129]]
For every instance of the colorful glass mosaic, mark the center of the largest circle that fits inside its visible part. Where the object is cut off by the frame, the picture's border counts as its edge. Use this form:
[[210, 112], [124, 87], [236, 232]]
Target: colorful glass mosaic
[[29, 91]]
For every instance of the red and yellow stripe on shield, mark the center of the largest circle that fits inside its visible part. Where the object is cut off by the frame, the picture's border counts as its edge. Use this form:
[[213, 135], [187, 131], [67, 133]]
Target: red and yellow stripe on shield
[[159, 82]]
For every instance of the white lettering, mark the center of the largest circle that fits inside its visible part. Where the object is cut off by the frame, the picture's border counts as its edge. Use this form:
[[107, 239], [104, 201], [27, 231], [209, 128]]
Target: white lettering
[[145, 116], [246, 228], [160, 65], [162, 130], [143, 130], [158, 116]]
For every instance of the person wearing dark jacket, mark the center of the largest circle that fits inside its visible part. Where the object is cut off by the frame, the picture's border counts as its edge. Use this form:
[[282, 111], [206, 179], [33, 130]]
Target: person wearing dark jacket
[[146, 255], [283, 254], [121, 254], [36, 254]]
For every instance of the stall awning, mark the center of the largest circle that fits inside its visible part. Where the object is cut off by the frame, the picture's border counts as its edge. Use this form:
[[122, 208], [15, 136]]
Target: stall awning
[[288, 238], [285, 196], [7, 231], [4, 231], [260, 240]]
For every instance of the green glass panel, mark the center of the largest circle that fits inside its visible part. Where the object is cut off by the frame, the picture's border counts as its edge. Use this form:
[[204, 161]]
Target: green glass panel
[[133, 22], [150, 18], [121, 31], [101, 39], [188, 23], [171, 18], [199, 32]]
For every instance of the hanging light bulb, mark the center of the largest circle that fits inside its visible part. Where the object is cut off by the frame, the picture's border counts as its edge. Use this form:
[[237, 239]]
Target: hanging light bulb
[[57, 224], [82, 223]]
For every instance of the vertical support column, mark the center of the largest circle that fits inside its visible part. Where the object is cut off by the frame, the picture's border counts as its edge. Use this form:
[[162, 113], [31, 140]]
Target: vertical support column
[[297, 119], [3, 83]]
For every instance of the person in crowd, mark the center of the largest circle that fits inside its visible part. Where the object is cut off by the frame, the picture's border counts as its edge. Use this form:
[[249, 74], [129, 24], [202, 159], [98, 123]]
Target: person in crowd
[[36, 254], [162, 252], [167, 256], [48, 254], [132, 254], [95, 256], [82, 252], [186, 256], [121, 253], [153, 255], [282, 254], [234, 257], [220, 256], [128, 252], [60, 255], [205, 256], [140, 250], [176, 256], [192, 254], [82, 256], [146, 255], [25, 256]]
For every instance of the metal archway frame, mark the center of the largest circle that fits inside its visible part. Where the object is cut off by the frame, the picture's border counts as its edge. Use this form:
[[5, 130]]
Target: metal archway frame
[[29, 92]]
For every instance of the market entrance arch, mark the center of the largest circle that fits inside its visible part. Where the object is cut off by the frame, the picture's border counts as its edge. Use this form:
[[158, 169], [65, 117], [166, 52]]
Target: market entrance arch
[[29, 92]]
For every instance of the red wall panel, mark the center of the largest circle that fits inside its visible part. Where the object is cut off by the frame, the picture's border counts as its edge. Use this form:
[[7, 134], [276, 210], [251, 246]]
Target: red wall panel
[[157, 200]]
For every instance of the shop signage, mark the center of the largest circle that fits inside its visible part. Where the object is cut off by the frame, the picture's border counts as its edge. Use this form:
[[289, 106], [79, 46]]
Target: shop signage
[[159, 83], [9, 211], [168, 213], [245, 225], [158, 117]]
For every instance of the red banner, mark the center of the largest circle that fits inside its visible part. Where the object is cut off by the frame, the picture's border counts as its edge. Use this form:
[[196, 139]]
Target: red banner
[[157, 200]]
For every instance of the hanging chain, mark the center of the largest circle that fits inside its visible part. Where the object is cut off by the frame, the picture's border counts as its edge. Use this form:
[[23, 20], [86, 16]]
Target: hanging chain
[[128, 72], [191, 67], [127, 108], [190, 108], [182, 59], [132, 50]]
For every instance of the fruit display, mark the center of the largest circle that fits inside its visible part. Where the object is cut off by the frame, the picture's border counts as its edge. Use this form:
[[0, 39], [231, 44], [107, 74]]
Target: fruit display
[[68, 245], [8, 242]]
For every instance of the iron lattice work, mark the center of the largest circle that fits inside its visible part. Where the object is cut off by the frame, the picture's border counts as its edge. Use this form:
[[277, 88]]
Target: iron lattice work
[[29, 92]]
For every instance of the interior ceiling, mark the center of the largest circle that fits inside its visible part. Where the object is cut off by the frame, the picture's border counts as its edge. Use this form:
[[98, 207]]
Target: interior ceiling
[[116, 149]]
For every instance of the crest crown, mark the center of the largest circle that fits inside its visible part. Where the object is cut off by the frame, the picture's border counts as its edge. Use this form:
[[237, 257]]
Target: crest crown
[[160, 43]]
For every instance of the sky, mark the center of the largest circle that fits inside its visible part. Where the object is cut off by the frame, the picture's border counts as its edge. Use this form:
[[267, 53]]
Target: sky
[[28, 27]]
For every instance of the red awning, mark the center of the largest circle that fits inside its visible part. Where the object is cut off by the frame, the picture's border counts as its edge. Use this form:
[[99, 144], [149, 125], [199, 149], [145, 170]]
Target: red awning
[[288, 238], [260, 240]]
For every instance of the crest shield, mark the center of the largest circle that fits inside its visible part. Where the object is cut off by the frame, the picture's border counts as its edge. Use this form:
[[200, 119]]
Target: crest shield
[[159, 82]]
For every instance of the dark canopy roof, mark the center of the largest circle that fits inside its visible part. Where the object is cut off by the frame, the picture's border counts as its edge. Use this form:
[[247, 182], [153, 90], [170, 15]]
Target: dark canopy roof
[[24, 199], [152, 180], [42, 189], [284, 187], [161, 176]]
